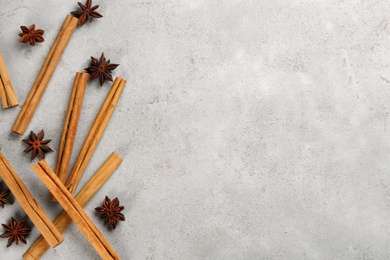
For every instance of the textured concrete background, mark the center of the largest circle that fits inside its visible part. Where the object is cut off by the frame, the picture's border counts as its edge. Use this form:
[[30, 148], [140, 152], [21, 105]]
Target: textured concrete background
[[249, 129]]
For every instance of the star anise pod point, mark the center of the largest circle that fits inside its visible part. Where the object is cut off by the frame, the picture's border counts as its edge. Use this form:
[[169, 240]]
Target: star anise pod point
[[111, 211], [31, 35]]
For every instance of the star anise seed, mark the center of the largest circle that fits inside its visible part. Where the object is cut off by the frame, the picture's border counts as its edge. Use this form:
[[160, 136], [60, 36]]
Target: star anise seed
[[111, 211], [101, 69], [3, 198], [87, 12], [15, 232], [31, 35], [37, 145]]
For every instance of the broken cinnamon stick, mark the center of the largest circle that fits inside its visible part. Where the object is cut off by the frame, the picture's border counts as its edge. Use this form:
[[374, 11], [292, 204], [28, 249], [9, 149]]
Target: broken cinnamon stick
[[29, 204], [44, 75], [74, 210], [7, 93], [70, 126], [95, 133], [39, 248]]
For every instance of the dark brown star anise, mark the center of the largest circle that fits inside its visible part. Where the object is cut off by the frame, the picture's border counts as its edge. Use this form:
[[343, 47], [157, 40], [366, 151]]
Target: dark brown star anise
[[111, 211], [15, 232], [37, 145], [3, 198], [101, 69], [31, 35], [87, 12]]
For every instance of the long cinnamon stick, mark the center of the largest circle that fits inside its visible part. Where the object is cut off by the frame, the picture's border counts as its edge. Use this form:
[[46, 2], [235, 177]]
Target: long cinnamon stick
[[74, 210], [29, 204], [39, 248], [7, 93], [95, 133], [70, 125], [44, 75]]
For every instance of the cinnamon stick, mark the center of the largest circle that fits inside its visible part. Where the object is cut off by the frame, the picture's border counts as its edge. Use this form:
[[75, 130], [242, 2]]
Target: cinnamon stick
[[39, 248], [70, 125], [94, 135], [44, 75], [7, 93], [29, 204], [74, 210]]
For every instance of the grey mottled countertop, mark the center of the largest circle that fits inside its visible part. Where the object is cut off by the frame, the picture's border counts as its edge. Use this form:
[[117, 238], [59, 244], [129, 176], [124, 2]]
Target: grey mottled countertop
[[249, 129]]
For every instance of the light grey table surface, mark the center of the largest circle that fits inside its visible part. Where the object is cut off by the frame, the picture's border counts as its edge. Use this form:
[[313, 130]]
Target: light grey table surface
[[248, 129]]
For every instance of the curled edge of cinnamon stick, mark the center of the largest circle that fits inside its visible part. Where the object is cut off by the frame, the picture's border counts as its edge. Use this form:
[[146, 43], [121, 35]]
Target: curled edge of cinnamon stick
[[95, 134], [7, 92], [74, 210], [70, 126], [32, 208], [44, 75], [39, 248]]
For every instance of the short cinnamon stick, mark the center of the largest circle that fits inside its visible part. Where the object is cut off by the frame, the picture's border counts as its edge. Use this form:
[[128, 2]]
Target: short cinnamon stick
[[74, 210], [29, 204], [70, 125], [7, 93], [39, 248], [95, 133], [44, 75]]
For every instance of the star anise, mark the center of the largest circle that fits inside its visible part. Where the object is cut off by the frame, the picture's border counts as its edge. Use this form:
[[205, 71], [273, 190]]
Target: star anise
[[31, 35], [3, 198], [37, 145], [15, 232], [87, 12], [101, 69], [111, 211]]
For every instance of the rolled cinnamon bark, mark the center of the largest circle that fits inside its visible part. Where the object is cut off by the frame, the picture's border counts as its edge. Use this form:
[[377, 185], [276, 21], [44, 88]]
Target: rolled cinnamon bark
[[29, 204], [39, 248], [7, 93], [74, 210], [95, 133], [70, 126], [44, 75]]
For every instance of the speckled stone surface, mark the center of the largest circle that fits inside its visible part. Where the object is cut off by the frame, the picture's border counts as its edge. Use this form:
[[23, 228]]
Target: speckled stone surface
[[248, 129]]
